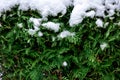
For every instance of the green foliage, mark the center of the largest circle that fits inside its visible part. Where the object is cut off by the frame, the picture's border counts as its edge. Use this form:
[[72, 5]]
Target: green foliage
[[25, 57]]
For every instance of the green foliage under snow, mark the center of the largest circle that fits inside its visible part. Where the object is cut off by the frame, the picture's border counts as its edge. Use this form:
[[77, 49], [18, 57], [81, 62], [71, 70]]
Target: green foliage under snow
[[25, 57]]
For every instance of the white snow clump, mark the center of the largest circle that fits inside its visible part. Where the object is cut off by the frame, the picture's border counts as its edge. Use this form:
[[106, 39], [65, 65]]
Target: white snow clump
[[65, 64], [99, 23], [52, 26], [103, 46], [65, 33]]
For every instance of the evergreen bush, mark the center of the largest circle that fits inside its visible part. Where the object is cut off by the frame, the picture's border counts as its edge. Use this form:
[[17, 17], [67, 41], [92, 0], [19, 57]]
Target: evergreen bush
[[78, 57]]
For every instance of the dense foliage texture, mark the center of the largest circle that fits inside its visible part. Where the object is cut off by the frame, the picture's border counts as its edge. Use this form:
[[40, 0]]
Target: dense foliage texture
[[26, 57]]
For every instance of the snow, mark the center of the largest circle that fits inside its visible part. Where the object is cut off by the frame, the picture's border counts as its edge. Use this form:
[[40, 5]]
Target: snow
[[46, 7], [52, 26], [36, 21], [7, 4], [40, 34], [103, 46], [98, 8], [31, 31], [82, 8], [65, 33], [90, 14], [99, 23], [65, 64], [77, 15], [20, 25]]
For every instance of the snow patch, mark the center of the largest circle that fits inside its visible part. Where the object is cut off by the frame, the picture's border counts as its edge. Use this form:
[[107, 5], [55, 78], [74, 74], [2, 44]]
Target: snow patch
[[66, 34], [103, 46], [52, 26], [87, 8], [90, 14], [31, 31], [40, 34], [35, 21], [65, 64], [99, 23]]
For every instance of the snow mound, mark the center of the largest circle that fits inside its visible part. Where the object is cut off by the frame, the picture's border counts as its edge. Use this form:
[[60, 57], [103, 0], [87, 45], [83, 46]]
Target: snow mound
[[87, 8]]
